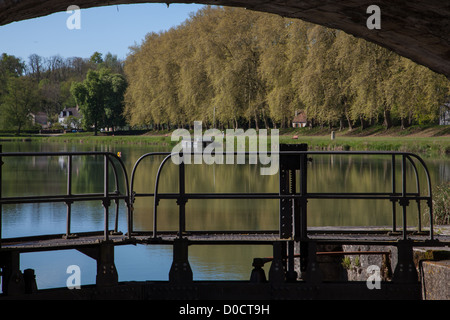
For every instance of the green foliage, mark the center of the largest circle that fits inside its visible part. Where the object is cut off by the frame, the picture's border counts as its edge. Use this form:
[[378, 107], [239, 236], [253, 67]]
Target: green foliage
[[18, 103], [441, 204], [230, 67], [51, 78], [100, 97]]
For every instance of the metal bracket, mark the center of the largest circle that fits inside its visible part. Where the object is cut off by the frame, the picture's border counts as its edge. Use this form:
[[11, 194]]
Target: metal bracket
[[13, 282], [278, 268], [313, 272], [405, 271], [106, 270], [180, 271]]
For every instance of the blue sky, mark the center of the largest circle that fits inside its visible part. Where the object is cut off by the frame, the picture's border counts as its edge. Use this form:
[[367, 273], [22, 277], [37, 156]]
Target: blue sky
[[104, 29]]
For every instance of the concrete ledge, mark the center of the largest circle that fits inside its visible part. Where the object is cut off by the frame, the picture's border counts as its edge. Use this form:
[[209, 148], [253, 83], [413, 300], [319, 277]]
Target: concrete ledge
[[435, 278]]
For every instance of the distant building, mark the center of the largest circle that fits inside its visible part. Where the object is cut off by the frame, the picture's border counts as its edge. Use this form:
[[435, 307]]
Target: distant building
[[69, 112], [40, 118], [444, 114], [299, 120]]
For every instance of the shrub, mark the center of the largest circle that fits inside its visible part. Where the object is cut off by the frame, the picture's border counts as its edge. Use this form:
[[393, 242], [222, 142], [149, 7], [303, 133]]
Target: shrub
[[441, 203]]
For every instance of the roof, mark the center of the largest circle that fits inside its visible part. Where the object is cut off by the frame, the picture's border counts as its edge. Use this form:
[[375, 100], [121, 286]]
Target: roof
[[300, 117], [70, 112]]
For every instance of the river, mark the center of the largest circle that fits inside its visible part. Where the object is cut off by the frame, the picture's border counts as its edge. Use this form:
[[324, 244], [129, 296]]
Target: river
[[45, 176]]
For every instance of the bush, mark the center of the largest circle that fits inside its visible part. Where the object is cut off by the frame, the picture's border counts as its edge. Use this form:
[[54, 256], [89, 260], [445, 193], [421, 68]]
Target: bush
[[441, 204]]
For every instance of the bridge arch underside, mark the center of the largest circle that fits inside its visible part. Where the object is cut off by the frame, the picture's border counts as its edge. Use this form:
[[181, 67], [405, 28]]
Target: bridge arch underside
[[416, 29]]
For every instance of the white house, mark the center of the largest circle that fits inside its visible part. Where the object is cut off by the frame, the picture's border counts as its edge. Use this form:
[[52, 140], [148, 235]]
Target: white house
[[444, 114], [67, 112], [299, 120]]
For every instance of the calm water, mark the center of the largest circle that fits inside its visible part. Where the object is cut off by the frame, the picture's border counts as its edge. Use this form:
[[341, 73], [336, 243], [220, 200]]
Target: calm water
[[47, 175]]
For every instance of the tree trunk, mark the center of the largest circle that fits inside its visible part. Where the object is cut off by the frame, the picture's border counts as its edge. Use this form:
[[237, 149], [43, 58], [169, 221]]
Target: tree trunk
[[256, 120], [349, 121], [387, 119], [266, 123]]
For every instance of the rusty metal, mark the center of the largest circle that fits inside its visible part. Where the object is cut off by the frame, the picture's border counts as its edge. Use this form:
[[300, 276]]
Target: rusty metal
[[333, 253]]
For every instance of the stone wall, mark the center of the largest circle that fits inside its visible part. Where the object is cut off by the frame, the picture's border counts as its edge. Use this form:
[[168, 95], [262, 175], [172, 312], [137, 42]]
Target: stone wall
[[433, 266]]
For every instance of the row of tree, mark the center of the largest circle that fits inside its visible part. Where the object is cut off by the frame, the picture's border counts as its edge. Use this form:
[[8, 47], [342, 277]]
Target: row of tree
[[232, 67], [44, 85], [227, 67]]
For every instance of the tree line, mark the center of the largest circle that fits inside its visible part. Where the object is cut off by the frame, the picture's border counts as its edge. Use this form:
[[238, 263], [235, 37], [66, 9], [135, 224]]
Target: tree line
[[231, 67], [228, 68], [43, 84]]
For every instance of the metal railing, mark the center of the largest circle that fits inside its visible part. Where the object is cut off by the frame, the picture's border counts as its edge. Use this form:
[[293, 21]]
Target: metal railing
[[299, 199], [110, 160]]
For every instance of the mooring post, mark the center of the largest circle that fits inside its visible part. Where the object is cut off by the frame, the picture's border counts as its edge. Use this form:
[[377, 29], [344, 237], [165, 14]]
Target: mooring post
[[180, 271], [258, 275]]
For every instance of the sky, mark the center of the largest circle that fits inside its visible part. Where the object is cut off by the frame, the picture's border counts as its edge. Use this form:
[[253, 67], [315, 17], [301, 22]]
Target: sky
[[105, 29]]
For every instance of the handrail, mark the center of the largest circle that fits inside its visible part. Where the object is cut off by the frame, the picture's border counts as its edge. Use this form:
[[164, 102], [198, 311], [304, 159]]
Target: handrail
[[69, 197], [402, 197], [110, 160]]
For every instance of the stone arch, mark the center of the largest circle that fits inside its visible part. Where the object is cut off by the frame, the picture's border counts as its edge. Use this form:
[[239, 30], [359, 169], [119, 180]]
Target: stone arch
[[416, 29]]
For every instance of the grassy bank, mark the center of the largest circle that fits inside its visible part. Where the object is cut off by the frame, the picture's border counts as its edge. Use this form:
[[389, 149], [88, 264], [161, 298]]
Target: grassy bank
[[437, 146], [430, 141]]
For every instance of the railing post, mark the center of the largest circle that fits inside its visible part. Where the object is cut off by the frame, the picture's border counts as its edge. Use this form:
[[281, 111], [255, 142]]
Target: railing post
[[404, 202], [304, 198], [1, 213], [419, 211], [69, 193], [181, 201], [394, 204], [116, 200], [106, 200]]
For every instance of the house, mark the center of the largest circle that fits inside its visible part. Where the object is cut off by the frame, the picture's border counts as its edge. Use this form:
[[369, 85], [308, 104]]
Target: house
[[69, 112], [40, 118], [444, 114], [299, 120]]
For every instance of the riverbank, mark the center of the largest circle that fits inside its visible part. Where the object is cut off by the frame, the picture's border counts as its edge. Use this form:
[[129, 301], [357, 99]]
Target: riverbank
[[426, 140], [429, 141]]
